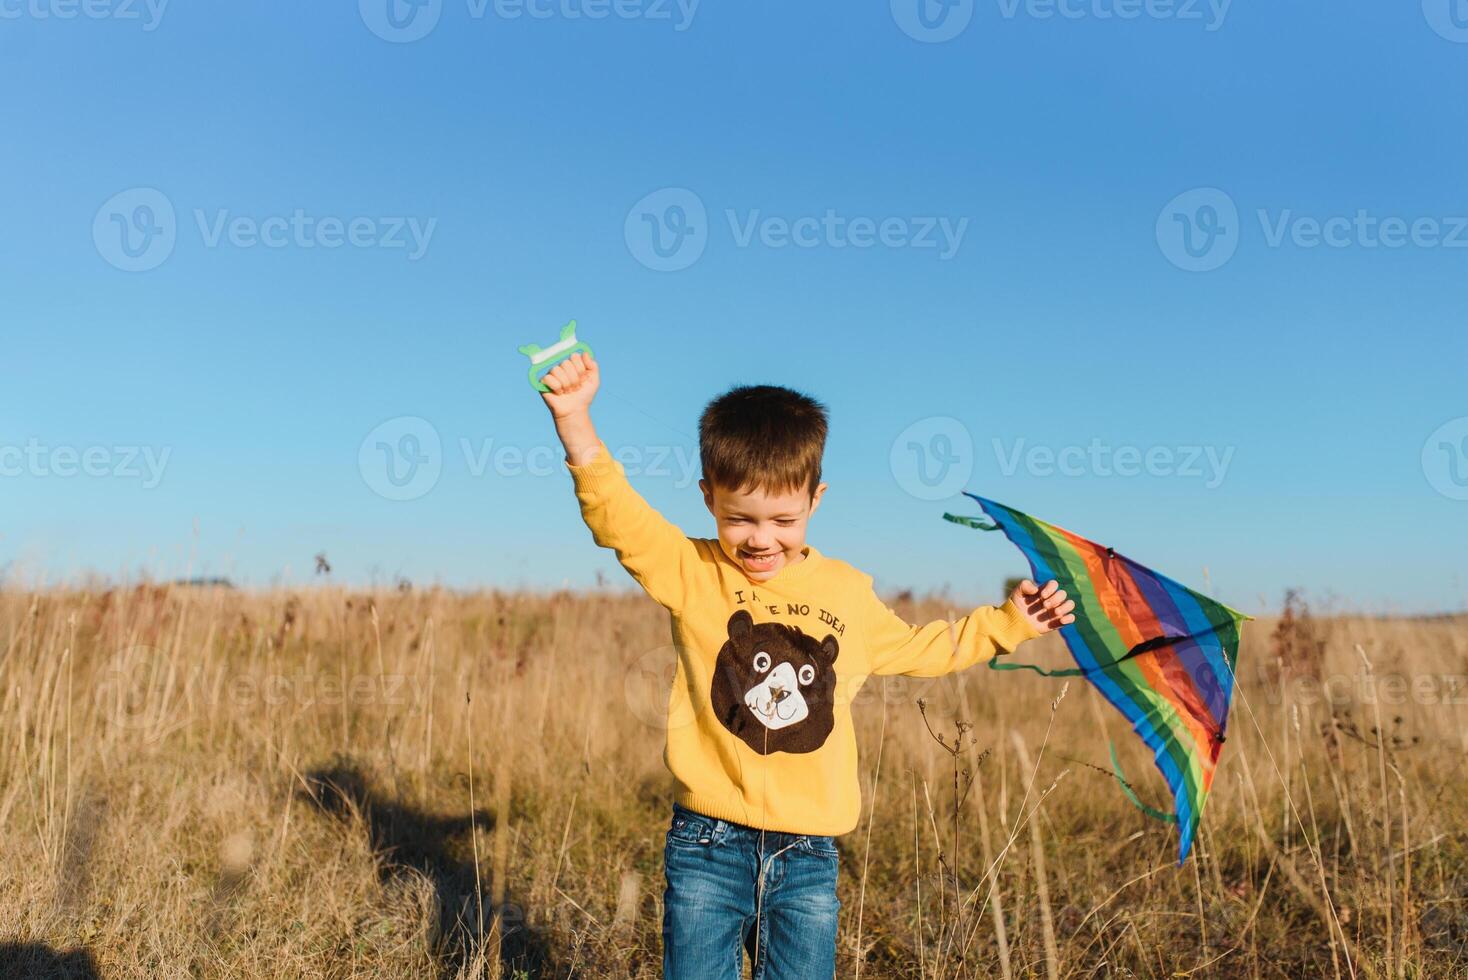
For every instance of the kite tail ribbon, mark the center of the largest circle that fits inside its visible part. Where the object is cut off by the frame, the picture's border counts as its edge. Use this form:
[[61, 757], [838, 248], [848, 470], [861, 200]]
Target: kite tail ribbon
[[1127, 789]]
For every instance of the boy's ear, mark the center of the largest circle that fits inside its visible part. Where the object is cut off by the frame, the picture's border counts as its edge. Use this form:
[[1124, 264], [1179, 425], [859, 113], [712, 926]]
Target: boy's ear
[[815, 499], [708, 494]]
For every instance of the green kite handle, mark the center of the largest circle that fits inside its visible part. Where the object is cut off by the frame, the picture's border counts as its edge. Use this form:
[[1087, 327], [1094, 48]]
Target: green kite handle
[[542, 359]]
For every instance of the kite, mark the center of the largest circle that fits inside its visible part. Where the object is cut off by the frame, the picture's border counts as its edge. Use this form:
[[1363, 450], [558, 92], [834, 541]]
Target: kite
[[1162, 654]]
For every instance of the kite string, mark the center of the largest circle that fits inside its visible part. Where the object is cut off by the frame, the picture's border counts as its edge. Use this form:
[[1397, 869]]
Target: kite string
[[994, 664]]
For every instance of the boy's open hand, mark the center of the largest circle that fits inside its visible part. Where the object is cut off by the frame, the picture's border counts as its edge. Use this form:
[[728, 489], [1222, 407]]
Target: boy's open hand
[[572, 384], [1047, 609]]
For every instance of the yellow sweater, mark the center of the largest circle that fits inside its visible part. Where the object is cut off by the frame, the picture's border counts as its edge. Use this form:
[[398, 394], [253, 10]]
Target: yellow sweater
[[759, 716]]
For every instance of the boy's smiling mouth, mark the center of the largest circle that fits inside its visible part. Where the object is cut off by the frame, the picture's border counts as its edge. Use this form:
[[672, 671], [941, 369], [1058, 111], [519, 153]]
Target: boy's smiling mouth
[[761, 562]]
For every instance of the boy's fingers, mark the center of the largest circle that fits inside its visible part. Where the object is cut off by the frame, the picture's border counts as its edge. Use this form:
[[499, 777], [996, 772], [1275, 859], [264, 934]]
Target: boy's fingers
[[1028, 588], [1050, 587], [1056, 599]]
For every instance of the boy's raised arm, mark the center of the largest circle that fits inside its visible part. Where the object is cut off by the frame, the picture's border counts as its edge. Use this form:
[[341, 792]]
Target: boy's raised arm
[[940, 647], [653, 550]]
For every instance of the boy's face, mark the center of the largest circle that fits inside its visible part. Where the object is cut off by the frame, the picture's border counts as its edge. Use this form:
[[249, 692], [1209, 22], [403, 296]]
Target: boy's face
[[761, 532]]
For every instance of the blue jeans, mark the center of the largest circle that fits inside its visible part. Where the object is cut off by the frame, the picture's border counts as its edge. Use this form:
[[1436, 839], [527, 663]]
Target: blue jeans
[[729, 892]]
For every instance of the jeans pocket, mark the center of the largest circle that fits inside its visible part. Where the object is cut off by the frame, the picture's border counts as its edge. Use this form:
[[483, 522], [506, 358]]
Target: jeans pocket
[[690, 830], [820, 846]]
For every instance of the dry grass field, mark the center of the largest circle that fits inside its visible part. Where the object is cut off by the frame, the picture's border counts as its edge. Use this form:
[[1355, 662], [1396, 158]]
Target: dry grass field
[[202, 782]]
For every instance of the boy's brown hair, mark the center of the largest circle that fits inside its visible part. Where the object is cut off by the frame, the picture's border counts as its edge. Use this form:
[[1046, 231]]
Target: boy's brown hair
[[762, 437]]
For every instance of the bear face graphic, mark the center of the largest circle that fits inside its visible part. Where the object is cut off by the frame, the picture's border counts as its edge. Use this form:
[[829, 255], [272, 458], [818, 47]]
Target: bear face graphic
[[774, 686]]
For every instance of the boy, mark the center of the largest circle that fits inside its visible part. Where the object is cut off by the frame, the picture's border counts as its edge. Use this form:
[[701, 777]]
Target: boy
[[774, 640]]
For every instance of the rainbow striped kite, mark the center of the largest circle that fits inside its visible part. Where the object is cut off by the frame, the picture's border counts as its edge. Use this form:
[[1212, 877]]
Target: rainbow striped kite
[[1162, 654]]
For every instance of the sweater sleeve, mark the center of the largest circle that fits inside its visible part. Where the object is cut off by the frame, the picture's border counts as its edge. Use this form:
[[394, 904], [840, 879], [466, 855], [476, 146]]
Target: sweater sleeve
[[654, 551], [940, 647]]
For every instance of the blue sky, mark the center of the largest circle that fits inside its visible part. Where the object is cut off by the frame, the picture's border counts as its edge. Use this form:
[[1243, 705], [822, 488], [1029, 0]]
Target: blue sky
[[1188, 281]]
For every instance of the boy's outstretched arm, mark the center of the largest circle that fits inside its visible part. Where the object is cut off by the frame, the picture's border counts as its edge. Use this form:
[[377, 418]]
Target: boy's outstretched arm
[[654, 551], [940, 647], [573, 384]]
